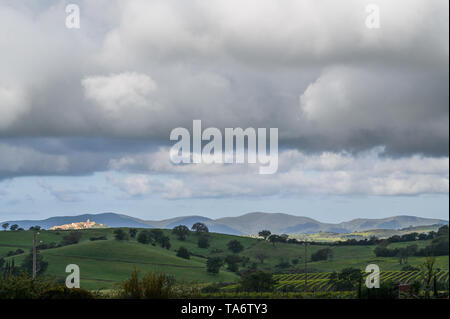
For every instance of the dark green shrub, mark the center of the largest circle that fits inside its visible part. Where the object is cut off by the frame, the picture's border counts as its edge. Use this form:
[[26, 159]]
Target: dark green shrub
[[387, 290], [27, 264], [203, 242], [120, 234], [233, 262], [22, 287], [213, 265], [145, 237], [98, 238], [181, 232], [151, 286], [165, 242], [235, 246], [283, 264], [257, 281], [183, 253], [346, 280], [14, 253], [71, 238], [322, 254], [132, 232]]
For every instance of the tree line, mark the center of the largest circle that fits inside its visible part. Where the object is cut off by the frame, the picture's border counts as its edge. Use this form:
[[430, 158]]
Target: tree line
[[439, 247]]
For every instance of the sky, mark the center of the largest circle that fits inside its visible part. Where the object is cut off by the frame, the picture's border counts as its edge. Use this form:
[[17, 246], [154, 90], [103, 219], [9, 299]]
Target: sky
[[362, 113]]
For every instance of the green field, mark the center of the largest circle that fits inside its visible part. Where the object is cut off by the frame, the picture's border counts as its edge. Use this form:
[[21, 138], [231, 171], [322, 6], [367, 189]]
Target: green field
[[106, 263]]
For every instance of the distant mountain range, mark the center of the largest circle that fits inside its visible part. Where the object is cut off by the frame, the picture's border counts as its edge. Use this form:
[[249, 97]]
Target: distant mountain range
[[247, 224]]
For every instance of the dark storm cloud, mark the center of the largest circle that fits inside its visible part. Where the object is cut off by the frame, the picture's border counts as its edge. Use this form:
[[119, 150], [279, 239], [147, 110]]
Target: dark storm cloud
[[64, 156]]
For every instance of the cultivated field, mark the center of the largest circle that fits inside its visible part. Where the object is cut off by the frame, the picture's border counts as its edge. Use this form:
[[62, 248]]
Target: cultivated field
[[321, 281]]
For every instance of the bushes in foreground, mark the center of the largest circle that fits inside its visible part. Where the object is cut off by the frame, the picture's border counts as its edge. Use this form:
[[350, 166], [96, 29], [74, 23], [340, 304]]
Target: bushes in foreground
[[24, 287], [257, 281], [387, 290], [151, 286]]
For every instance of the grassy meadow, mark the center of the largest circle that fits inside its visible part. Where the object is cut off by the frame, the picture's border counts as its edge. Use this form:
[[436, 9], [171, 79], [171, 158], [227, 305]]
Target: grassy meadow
[[105, 263]]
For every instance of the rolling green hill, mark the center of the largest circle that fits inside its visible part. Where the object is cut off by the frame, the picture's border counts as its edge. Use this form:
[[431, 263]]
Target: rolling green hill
[[105, 263], [360, 235], [247, 224]]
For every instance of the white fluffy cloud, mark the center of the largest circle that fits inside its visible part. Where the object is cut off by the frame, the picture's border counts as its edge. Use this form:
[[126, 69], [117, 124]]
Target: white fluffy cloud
[[123, 102], [327, 173], [276, 33], [120, 94]]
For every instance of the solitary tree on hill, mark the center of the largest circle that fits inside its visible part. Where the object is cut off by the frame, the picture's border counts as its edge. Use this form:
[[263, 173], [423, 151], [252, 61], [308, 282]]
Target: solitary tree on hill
[[200, 228], [157, 234], [275, 239], [165, 242], [233, 262], [265, 234], [181, 232], [120, 234], [144, 237], [133, 232], [213, 265], [261, 256], [203, 241], [235, 246], [183, 253]]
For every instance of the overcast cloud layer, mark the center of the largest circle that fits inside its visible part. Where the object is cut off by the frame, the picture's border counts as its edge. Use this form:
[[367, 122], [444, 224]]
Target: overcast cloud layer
[[359, 110]]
